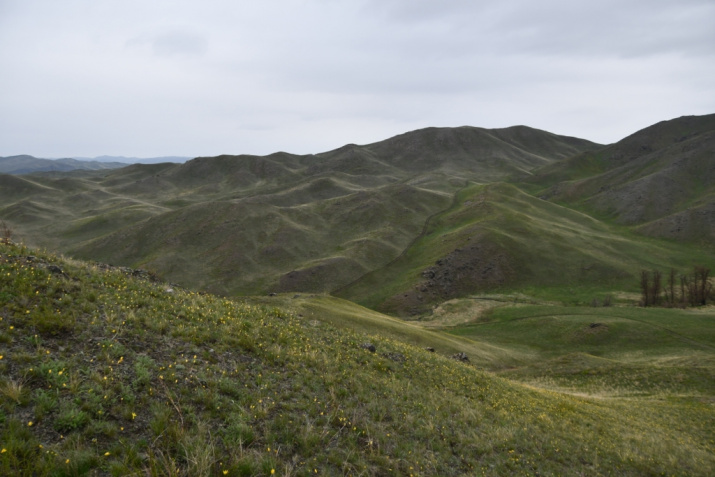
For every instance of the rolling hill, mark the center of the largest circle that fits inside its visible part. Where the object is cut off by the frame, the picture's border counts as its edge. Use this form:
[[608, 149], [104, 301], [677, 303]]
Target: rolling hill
[[249, 224], [660, 179], [497, 237], [400, 225]]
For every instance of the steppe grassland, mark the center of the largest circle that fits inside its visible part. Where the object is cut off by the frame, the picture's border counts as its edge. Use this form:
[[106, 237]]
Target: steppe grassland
[[104, 371]]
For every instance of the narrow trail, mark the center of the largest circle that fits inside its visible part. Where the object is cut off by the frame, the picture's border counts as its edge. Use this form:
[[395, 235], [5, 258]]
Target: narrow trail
[[423, 232]]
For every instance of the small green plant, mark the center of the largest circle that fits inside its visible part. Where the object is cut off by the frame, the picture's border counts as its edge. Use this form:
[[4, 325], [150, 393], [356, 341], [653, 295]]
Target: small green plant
[[199, 451], [238, 433], [70, 417], [46, 401], [50, 320], [142, 371]]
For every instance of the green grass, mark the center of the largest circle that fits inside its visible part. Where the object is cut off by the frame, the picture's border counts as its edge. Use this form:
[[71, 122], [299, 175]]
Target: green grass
[[347, 315], [108, 374], [613, 351]]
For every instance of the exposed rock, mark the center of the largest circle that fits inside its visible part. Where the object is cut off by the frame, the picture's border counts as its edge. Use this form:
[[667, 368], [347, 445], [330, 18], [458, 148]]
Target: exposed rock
[[369, 346], [460, 357], [479, 265], [55, 269], [396, 357]]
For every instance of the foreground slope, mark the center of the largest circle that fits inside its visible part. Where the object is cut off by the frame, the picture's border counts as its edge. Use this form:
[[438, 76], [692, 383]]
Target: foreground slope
[[104, 371]]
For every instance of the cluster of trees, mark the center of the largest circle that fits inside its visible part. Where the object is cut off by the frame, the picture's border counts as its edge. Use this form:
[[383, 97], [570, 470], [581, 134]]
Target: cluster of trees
[[676, 290]]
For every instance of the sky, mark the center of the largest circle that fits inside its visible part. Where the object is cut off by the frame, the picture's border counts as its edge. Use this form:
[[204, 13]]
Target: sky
[[137, 78]]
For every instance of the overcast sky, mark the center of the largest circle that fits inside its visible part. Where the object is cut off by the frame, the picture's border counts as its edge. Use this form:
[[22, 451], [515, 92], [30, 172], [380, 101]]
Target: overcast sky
[[154, 78]]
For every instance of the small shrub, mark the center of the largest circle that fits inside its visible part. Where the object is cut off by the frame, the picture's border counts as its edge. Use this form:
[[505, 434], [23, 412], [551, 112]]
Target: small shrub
[[142, 371], [45, 402], [50, 321], [70, 417]]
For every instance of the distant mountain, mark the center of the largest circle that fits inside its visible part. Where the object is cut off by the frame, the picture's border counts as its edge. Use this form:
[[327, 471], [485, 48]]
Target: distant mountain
[[24, 164], [135, 160]]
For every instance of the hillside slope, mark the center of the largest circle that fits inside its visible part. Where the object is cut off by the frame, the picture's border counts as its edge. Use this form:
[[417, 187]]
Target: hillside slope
[[107, 373], [497, 237], [283, 222], [660, 179]]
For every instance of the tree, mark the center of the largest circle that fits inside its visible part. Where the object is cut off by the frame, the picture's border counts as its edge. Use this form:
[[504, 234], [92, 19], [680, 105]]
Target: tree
[[644, 288], [656, 288], [695, 289], [703, 287]]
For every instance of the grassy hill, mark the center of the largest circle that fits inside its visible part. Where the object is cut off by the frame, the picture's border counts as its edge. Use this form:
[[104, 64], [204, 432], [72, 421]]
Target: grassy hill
[[283, 222], [497, 237], [106, 373], [660, 179], [400, 225]]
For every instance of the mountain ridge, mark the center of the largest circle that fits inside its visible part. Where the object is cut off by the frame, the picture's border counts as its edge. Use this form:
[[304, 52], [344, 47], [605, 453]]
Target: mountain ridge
[[318, 222], [25, 164]]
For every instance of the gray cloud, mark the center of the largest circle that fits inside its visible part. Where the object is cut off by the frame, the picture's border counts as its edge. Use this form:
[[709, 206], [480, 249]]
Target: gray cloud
[[176, 42], [199, 78]]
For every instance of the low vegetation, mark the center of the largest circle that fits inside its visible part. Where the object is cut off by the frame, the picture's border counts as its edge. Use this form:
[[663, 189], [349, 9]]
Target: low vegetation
[[106, 373]]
